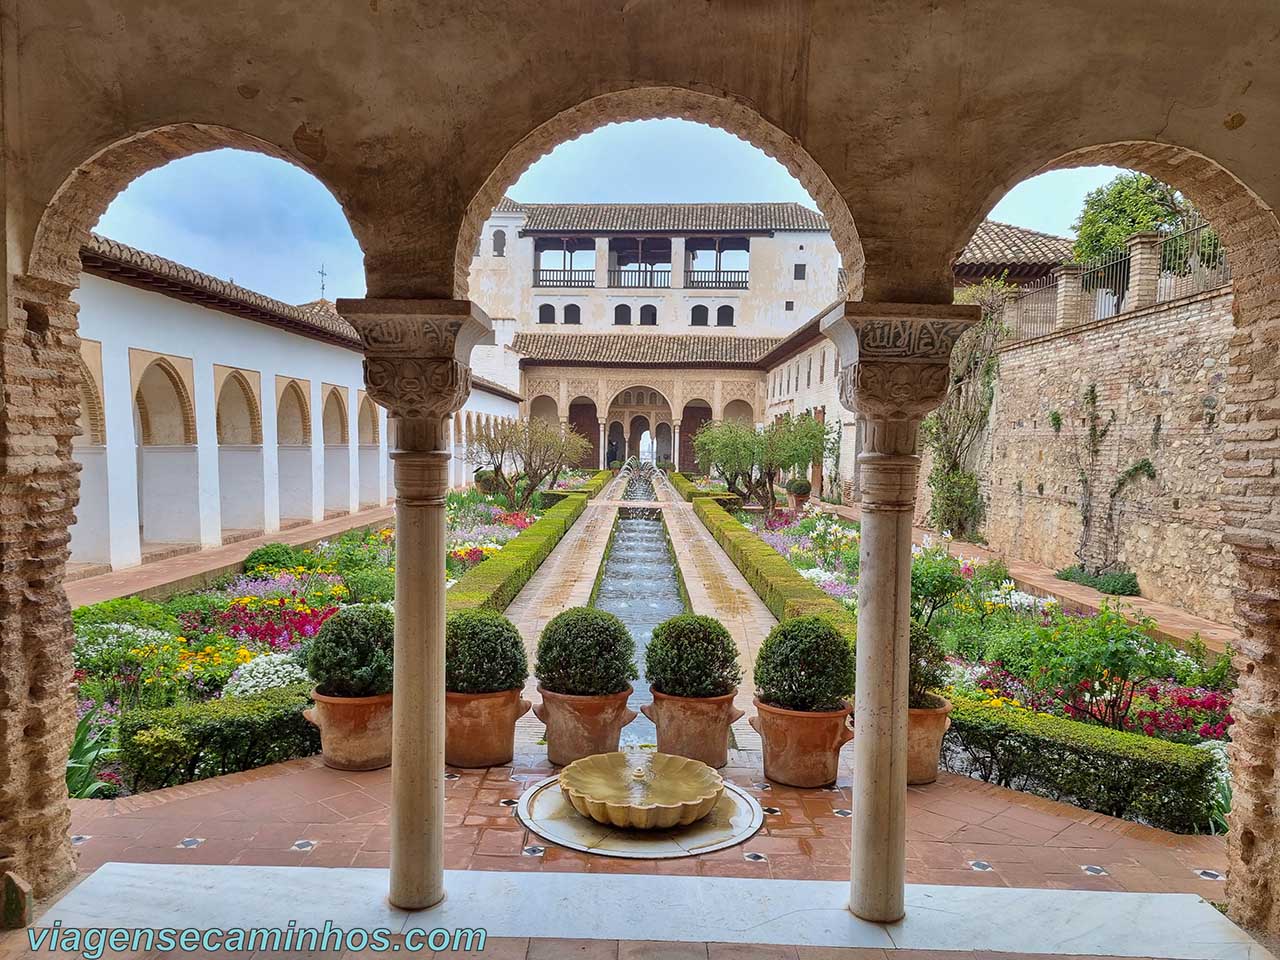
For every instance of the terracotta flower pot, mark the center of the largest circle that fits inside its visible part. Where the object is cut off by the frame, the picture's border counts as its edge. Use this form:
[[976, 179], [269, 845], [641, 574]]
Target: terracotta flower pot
[[925, 729], [581, 726], [355, 732], [694, 727], [480, 728], [801, 748]]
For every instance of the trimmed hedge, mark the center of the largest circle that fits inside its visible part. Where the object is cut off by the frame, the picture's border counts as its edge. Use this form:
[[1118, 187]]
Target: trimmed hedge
[[598, 482], [492, 585], [194, 741], [1168, 785], [779, 585], [689, 491]]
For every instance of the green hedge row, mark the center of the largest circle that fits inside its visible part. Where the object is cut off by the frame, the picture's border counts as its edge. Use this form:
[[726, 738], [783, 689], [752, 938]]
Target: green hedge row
[[194, 741], [494, 584], [597, 483], [779, 585], [689, 491], [1127, 775]]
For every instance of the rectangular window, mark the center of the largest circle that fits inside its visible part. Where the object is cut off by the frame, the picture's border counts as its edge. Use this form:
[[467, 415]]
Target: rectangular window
[[808, 375], [789, 305], [799, 274], [822, 367]]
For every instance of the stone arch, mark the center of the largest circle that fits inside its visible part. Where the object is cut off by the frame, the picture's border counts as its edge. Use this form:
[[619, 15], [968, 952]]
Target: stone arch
[[334, 413], [166, 415], [1250, 235], [649, 103], [293, 416], [93, 424], [544, 407], [635, 388], [82, 198], [239, 418], [367, 417], [740, 411]]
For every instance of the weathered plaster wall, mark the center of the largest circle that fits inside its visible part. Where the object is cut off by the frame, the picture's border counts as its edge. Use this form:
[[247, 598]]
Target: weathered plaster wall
[[1164, 372]]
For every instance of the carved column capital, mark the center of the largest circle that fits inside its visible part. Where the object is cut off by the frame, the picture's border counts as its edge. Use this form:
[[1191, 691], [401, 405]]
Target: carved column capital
[[417, 352]]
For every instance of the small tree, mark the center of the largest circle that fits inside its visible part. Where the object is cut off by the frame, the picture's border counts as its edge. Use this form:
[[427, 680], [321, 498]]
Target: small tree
[[749, 460], [1128, 204], [523, 454]]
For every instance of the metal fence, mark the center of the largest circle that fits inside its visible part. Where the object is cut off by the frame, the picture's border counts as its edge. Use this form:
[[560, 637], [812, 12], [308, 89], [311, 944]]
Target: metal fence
[[1104, 285], [1034, 312], [1192, 260]]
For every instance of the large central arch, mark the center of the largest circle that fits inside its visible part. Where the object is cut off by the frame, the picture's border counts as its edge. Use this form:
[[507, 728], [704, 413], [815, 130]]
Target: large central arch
[[650, 103]]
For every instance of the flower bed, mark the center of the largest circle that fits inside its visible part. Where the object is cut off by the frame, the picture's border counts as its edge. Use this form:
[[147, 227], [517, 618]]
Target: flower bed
[[690, 488], [197, 656], [1049, 702]]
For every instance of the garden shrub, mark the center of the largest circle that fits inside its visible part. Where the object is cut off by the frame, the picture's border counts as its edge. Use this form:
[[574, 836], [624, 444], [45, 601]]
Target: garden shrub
[[593, 486], [370, 585], [492, 585], [692, 656], [799, 487], [172, 745], [928, 668], [1168, 785], [483, 653], [486, 482], [197, 613], [351, 655], [265, 672], [805, 664], [586, 652], [615, 464], [685, 487], [277, 556], [955, 502], [131, 610], [1119, 583]]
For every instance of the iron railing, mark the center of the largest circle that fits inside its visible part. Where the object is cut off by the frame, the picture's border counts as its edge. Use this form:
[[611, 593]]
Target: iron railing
[[648, 279], [716, 279], [1104, 285], [563, 278], [1192, 260], [1034, 311]]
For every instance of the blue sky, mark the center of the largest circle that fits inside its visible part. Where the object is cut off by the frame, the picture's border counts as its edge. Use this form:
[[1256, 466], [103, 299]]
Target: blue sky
[[270, 226]]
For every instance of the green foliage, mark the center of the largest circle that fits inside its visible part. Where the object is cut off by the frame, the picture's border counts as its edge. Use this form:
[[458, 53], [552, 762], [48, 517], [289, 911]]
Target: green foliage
[[1168, 785], [1119, 583], [483, 653], [200, 609], [615, 464], [1094, 664], [172, 745], [492, 585], [748, 459], [936, 581], [370, 584], [485, 481], [1143, 469], [1055, 421], [351, 655], [928, 667], [586, 652], [692, 656], [956, 502], [596, 484], [1202, 668], [805, 663], [799, 487], [1130, 203], [277, 556], [140, 613], [90, 749]]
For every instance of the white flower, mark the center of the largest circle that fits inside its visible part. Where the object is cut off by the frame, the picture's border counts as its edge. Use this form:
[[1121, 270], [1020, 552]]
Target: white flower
[[266, 672]]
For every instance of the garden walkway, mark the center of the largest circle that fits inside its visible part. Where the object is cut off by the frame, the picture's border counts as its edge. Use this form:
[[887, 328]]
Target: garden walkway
[[191, 571], [1172, 622]]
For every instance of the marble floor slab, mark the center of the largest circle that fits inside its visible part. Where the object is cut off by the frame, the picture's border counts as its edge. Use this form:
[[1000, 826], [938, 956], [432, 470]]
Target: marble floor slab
[[666, 908]]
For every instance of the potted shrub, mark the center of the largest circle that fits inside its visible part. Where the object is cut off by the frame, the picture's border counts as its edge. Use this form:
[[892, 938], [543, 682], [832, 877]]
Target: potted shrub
[[928, 713], [692, 667], [804, 680], [484, 671], [615, 466], [350, 661], [585, 665], [799, 490]]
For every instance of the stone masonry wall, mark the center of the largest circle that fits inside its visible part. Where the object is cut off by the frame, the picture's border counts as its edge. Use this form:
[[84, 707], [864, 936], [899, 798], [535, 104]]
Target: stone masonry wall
[[1163, 370]]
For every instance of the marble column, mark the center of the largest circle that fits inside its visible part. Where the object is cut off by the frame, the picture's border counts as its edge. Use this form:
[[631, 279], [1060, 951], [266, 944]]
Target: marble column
[[416, 365], [604, 444], [898, 370], [675, 445]]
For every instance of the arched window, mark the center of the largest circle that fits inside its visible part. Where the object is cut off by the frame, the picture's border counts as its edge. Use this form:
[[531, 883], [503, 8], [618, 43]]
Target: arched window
[[572, 314], [546, 313], [653, 399], [626, 399], [499, 243], [699, 316], [724, 316], [648, 315], [622, 315]]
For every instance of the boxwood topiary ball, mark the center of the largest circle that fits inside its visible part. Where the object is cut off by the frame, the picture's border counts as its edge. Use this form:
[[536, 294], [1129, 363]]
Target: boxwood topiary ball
[[483, 653], [805, 664], [587, 653], [692, 656], [351, 654]]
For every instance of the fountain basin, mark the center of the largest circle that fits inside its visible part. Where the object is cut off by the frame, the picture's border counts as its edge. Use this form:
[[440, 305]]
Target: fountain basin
[[641, 791]]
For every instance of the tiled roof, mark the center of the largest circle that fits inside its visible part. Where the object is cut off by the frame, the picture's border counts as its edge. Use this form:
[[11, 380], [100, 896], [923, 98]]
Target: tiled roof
[[670, 217], [679, 350], [1003, 243], [507, 205]]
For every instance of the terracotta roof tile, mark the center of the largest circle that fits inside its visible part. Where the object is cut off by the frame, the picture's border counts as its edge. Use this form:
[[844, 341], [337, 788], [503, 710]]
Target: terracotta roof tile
[[679, 350], [671, 217], [1003, 243]]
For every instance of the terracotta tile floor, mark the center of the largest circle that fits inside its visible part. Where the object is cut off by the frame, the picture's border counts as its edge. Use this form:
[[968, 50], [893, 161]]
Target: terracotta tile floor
[[302, 813]]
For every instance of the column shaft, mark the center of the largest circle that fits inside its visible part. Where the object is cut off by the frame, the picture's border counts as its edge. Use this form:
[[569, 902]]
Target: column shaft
[[421, 461], [604, 443]]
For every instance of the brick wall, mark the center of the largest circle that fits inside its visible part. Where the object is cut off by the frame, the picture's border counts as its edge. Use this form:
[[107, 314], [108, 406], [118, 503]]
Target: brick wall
[[1164, 372]]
